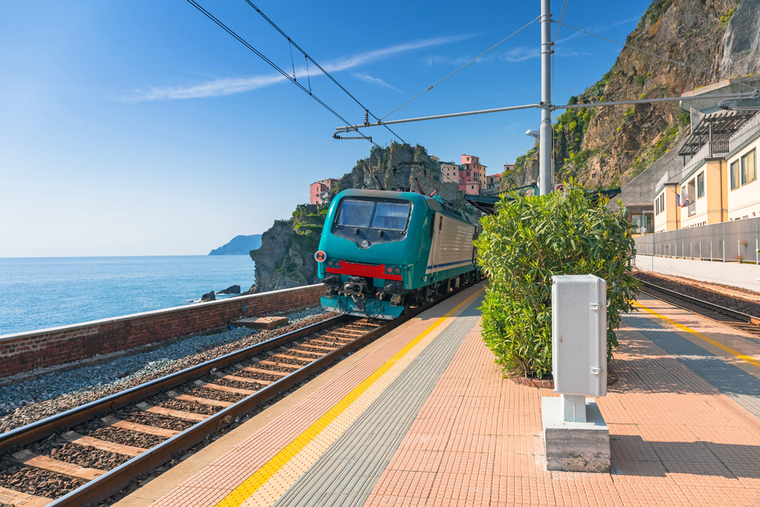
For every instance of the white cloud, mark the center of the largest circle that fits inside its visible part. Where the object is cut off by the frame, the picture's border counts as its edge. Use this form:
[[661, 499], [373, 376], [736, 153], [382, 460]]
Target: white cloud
[[520, 54], [229, 86], [446, 60], [375, 80]]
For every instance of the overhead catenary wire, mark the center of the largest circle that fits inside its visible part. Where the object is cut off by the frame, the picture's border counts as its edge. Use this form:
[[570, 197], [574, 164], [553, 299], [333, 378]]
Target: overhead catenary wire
[[275, 66], [460, 68], [562, 14], [309, 58]]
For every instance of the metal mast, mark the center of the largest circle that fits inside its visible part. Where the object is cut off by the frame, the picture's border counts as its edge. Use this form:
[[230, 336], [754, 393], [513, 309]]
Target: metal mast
[[545, 170]]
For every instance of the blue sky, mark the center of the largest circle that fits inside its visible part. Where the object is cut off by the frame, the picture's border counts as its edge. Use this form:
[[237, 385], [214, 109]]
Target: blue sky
[[142, 128]]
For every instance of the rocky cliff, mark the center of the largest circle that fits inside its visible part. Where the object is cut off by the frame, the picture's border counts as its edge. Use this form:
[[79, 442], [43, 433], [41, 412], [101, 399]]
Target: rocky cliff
[[286, 256], [603, 147]]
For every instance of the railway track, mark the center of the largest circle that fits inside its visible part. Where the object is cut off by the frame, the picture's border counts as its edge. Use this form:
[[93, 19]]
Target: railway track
[[722, 314], [87, 454]]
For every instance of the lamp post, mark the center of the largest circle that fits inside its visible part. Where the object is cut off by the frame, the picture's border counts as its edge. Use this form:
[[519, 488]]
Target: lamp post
[[546, 178]]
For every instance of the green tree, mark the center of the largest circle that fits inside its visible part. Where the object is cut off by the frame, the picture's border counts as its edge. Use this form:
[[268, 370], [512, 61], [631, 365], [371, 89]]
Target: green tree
[[525, 243]]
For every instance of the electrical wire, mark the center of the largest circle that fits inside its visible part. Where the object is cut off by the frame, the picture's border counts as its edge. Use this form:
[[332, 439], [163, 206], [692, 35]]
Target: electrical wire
[[275, 66], [562, 14], [291, 41], [682, 64], [460, 68]]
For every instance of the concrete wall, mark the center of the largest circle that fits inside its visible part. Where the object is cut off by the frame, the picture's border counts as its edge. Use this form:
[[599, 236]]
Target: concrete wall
[[23, 352], [734, 274]]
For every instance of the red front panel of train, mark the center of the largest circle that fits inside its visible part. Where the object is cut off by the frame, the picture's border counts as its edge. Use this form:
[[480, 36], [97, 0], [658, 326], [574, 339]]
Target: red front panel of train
[[347, 268]]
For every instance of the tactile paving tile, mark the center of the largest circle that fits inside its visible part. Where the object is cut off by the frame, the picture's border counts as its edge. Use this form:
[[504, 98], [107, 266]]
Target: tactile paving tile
[[347, 471]]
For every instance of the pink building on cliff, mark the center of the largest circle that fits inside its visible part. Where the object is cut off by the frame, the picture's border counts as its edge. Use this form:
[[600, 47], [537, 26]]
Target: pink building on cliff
[[319, 191]]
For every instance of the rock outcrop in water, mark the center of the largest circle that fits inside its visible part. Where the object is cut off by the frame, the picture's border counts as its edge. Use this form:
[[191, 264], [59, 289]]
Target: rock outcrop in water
[[286, 256]]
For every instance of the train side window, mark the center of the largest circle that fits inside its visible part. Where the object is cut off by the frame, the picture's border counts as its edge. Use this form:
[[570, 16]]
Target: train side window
[[440, 223], [432, 225], [355, 213]]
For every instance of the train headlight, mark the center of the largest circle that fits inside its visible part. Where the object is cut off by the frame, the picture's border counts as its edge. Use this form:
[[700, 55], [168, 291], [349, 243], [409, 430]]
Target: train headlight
[[365, 244], [397, 271], [388, 270], [337, 264], [329, 264]]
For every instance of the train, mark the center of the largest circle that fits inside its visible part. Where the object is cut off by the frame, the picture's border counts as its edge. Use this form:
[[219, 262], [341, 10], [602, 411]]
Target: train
[[383, 252]]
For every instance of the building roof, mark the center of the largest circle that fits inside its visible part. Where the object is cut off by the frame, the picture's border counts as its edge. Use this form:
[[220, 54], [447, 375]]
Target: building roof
[[718, 127]]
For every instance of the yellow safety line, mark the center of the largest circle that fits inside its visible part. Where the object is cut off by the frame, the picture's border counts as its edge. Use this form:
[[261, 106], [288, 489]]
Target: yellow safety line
[[263, 474], [748, 359]]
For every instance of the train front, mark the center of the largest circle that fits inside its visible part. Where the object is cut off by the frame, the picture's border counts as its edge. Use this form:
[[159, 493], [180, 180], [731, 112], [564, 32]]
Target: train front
[[368, 249]]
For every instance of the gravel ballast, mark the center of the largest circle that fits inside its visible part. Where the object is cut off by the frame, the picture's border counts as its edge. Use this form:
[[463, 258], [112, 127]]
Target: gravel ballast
[[50, 393]]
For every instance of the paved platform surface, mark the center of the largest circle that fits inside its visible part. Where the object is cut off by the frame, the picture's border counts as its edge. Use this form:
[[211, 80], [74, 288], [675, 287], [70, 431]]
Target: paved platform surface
[[423, 417]]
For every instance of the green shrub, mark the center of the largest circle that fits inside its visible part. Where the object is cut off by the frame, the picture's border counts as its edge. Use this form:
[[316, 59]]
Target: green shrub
[[525, 243]]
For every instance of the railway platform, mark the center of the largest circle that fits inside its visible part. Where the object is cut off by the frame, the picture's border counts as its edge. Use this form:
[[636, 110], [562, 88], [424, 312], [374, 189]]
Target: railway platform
[[423, 417]]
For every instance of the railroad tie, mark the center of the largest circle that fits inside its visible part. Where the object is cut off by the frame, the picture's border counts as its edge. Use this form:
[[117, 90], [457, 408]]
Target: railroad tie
[[35, 460], [196, 399], [177, 414], [225, 389], [139, 428], [11, 497], [103, 445]]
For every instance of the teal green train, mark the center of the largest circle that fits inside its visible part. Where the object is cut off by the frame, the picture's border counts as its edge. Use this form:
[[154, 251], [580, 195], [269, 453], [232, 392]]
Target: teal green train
[[382, 252]]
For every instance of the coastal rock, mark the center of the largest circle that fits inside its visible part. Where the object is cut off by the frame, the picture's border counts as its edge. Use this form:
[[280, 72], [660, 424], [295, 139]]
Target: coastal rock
[[234, 289], [208, 297]]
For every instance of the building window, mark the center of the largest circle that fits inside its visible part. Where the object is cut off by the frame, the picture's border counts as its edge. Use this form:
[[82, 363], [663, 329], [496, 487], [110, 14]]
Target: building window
[[749, 168], [734, 175], [700, 185]]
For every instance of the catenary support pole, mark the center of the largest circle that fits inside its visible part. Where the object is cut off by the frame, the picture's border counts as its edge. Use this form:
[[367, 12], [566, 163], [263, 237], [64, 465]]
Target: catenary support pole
[[545, 176]]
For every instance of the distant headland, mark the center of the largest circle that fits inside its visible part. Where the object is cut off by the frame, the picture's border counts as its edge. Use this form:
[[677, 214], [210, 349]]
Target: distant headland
[[239, 245]]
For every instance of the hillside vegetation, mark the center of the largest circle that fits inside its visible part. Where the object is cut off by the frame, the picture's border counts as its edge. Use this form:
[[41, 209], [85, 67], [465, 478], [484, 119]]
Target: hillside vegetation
[[608, 146]]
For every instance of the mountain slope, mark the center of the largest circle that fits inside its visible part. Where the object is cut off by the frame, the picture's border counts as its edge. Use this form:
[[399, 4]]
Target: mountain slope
[[239, 245], [608, 146]]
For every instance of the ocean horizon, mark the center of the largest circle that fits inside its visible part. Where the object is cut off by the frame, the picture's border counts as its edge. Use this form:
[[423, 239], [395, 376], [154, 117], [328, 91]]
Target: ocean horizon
[[44, 292]]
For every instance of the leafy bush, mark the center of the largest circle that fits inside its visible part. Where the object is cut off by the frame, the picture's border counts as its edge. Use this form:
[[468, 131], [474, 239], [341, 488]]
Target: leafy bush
[[525, 243]]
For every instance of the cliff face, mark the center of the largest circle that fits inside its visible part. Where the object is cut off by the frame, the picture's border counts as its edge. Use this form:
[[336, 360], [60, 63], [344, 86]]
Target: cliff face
[[286, 256], [603, 147]]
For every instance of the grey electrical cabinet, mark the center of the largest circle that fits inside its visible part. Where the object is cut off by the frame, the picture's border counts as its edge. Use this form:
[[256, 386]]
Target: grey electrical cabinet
[[579, 335]]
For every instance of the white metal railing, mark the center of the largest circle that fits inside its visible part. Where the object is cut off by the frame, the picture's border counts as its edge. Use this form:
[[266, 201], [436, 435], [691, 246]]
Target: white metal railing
[[748, 130], [736, 241]]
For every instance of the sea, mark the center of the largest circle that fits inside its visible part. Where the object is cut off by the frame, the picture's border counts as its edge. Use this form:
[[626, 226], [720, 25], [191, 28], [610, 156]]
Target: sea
[[44, 292]]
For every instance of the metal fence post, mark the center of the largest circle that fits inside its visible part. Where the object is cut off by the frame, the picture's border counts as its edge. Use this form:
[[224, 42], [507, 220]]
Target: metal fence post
[[724, 250]]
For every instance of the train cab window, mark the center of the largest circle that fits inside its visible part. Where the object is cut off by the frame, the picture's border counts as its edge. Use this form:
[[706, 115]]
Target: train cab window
[[391, 216], [355, 213]]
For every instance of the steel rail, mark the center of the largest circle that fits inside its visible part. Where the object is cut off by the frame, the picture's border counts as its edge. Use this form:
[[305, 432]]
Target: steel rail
[[705, 304], [118, 478], [45, 427]]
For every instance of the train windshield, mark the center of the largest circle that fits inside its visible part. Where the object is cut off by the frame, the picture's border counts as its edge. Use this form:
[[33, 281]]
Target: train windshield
[[390, 215], [355, 213], [378, 215]]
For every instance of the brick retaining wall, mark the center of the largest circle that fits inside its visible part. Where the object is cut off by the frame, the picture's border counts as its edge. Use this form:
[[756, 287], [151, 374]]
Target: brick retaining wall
[[22, 352]]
